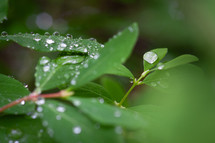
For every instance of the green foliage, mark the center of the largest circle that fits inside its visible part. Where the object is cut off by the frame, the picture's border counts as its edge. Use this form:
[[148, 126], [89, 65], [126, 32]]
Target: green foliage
[[3, 10], [95, 113], [10, 90]]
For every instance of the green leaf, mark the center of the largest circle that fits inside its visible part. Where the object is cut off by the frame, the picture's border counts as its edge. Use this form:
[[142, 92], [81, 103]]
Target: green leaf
[[114, 88], [70, 125], [107, 114], [115, 52], [23, 130], [3, 10], [11, 90], [153, 57], [121, 70], [181, 60], [94, 65], [94, 90], [53, 73], [53, 43]]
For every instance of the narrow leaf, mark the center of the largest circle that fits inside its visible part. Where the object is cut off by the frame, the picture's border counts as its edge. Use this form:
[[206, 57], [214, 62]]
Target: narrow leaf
[[121, 70], [53, 43], [11, 90], [181, 60]]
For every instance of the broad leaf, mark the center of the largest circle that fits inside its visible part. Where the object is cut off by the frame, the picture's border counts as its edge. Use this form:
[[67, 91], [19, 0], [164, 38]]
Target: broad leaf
[[53, 73], [3, 9], [53, 43], [153, 57], [94, 90], [115, 52], [11, 90], [68, 125], [20, 129], [94, 65], [181, 60], [107, 114], [121, 70]]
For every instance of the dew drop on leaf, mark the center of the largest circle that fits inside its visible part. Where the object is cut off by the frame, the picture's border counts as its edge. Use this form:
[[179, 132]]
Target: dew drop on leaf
[[101, 100], [160, 66], [150, 57], [22, 102], [46, 68], [77, 130], [58, 117], [46, 34], [49, 41], [118, 130], [117, 113], [39, 109], [44, 60], [77, 102], [15, 134], [40, 101], [61, 109], [4, 34], [56, 33]]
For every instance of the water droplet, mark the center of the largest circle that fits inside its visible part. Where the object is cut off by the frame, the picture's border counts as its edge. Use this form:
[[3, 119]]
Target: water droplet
[[63, 45], [73, 82], [56, 33], [96, 56], [117, 113], [22, 102], [46, 34], [39, 109], [40, 101], [160, 66], [77, 102], [46, 68], [58, 117], [45, 123], [102, 46], [37, 39], [92, 39], [68, 35], [44, 60], [150, 57], [76, 45], [50, 132], [153, 84], [61, 109], [49, 41], [26, 86], [118, 130], [4, 34], [77, 130], [101, 100], [130, 29], [15, 134], [34, 115]]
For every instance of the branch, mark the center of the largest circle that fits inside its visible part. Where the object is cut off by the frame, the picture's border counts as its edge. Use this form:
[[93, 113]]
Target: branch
[[34, 97]]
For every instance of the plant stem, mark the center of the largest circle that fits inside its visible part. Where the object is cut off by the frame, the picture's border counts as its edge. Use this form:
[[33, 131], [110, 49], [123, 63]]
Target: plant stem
[[34, 97], [136, 82]]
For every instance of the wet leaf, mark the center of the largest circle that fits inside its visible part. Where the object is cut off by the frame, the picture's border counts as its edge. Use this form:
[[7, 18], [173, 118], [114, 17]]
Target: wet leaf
[[107, 114], [67, 124], [53, 43], [115, 52], [11, 90], [153, 57], [21, 129]]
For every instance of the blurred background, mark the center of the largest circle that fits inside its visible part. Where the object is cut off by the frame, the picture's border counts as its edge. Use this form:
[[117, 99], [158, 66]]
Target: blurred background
[[182, 26]]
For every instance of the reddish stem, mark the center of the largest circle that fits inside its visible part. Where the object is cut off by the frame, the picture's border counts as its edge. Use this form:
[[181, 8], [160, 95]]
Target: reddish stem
[[34, 97]]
